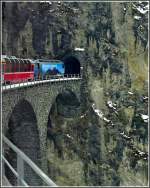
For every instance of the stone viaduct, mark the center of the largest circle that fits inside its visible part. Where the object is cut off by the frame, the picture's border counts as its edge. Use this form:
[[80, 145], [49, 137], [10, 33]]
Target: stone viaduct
[[25, 114]]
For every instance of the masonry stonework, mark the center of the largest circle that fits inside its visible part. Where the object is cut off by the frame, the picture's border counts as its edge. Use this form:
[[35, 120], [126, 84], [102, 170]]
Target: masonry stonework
[[40, 97]]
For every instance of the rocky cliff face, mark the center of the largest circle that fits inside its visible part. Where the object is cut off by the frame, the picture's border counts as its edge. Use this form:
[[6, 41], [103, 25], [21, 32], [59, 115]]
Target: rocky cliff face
[[107, 145]]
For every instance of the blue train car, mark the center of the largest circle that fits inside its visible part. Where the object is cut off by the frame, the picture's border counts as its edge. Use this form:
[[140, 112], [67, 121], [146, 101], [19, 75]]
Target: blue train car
[[50, 68]]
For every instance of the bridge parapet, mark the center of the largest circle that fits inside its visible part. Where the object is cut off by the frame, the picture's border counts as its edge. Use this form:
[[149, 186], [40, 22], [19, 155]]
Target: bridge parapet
[[41, 81]]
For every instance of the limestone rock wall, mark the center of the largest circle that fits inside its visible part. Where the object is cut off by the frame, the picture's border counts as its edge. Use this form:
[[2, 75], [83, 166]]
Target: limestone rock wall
[[115, 61]]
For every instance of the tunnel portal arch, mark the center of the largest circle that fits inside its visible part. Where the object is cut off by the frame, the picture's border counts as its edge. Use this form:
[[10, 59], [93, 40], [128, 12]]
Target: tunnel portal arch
[[23, 132], [72, 65]]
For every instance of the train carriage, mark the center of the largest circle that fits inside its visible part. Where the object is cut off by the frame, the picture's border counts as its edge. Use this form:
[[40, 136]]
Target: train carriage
[[16, 70]]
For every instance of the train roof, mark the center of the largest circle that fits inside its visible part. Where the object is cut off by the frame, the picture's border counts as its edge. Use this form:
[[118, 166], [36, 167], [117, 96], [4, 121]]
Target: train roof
[[10, 58], [14, 57], [47, 61], [18, 60]]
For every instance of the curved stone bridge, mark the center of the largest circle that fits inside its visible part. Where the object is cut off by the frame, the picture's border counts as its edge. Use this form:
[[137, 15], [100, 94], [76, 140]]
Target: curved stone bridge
[[25, 112]]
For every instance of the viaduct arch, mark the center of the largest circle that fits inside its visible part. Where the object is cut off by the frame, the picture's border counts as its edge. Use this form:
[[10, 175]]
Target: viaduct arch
[[22, 125], [35, 100]]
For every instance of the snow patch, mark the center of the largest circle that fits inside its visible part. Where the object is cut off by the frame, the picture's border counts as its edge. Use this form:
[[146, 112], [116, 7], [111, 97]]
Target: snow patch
[[69, 136], [107, 120], [111, 104], [125, 136], [145, 98], [129, 92], [83, 116], [75, 9], [100, 114], [49, 2], [97, 111], [141, 152], [79, 49], [52, 10], [137, 17], [145, 118], [142, 10]]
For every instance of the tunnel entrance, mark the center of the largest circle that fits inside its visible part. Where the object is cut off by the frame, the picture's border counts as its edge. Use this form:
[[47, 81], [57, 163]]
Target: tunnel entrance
[[23, 132], [72, 65]]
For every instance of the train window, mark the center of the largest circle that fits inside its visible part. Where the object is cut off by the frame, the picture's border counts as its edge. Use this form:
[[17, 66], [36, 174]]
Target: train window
[[13, 67], [20, 61], [29, 66], [8, 65], [3, 67], [17, 65], [25, 65], [21, 65]]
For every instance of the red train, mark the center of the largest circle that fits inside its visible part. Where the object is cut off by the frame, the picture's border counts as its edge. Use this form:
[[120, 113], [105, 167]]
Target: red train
[[16, 70]]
